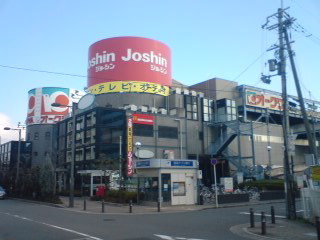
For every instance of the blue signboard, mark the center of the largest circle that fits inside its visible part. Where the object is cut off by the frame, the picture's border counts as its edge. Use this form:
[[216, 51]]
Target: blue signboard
[[181, 163], [143, 164]]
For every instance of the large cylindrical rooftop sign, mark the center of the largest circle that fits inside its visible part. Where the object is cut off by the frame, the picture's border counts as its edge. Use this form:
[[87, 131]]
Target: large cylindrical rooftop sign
[[40, 109], [129, 64]]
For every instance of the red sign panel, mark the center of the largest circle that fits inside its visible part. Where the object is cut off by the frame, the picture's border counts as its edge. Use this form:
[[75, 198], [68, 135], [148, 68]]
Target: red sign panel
[[143, 119], [129, 59]]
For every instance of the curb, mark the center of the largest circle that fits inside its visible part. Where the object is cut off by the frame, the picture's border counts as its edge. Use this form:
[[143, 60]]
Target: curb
[[171, 209], [242, 231], [37, 202]]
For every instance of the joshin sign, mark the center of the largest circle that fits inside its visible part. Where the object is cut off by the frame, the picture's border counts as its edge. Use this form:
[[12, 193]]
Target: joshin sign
[[129, 64]]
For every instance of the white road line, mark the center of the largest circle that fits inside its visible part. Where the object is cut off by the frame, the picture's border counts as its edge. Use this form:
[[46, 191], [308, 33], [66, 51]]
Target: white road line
[[175, 238], [54, 226], [259, 214]]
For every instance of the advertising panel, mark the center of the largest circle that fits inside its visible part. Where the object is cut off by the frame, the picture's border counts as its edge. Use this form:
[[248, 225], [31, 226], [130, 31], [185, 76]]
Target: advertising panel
[[315, 173], [40, 110], [129, 64], [130, 148], [263, 100], [143, 119]]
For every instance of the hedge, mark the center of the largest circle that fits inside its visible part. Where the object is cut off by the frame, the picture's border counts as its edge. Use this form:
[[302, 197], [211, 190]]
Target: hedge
[[270, 185]]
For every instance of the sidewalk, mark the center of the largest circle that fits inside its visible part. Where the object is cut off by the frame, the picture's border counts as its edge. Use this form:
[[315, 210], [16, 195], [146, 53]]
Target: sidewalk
[[283, 229], [115, 208]]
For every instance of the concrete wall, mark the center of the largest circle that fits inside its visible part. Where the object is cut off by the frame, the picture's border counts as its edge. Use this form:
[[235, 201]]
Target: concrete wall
[[43, 146]]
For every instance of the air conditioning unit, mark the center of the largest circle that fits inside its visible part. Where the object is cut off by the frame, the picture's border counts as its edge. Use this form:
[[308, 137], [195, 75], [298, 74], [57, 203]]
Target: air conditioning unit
[[162, 111], [143, 108], [177, 90], [133, 107], [153, 110], [201, 94], [168, 154], [173, 112], [186, 91]]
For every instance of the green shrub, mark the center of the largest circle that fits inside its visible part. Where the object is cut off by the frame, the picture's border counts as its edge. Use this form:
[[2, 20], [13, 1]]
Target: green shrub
[[273, 185]]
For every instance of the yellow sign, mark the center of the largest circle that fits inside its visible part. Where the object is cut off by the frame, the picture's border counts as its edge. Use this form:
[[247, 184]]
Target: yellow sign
[[121, 86], [315, 173]]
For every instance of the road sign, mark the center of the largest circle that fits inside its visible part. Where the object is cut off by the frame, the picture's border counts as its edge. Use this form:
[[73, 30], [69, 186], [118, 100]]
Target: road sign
[[214, 161]]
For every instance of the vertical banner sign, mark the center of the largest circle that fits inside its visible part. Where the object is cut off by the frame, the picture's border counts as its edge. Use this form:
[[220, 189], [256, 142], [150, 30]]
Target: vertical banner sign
[[130, 148]]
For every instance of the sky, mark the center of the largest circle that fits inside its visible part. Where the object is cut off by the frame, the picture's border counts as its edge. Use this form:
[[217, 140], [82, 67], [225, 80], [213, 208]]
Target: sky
[[208, 38]]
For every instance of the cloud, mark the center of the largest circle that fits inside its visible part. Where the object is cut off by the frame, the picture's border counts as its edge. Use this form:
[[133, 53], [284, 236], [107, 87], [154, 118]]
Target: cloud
[[7, 135]]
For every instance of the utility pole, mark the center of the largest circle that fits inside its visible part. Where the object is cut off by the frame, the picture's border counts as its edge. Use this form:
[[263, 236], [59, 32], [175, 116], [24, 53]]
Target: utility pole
[[311, 138], [290, 209], [281, 67]]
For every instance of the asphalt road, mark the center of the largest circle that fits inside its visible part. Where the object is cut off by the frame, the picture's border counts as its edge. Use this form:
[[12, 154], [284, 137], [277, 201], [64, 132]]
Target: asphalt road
[[22, 220]]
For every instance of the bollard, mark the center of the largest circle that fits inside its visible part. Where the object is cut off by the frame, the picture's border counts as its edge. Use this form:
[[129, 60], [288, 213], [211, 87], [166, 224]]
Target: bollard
[[263, 224], [318, 227], [102, 206], [84, 204], [273, 218], [130, 206], [251, 218], [158, 206]]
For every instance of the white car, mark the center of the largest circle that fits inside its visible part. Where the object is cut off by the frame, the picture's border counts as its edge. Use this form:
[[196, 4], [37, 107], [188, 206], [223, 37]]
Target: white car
[[2, 193]]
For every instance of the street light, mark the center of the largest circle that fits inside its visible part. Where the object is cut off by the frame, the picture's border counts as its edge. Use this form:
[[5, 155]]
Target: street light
[[18, 157], [138, 146], [71, 191]]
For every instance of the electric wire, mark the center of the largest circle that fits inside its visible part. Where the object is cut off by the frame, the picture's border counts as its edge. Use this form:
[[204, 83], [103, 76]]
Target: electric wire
[[108, 79]]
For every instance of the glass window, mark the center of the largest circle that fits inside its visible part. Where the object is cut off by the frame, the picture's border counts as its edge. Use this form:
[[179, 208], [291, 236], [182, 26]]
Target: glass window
[[36, 136], [167, 132], [191, 105], [143, 130], [47, 135], [179, 188]]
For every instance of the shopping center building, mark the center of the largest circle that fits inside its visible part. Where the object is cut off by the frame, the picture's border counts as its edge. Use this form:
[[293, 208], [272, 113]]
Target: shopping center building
[[141, 124]]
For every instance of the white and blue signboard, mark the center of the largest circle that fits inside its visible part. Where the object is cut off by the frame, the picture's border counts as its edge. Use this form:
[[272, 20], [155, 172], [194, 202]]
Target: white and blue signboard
[[181, 163], [143, 164], [165, 163]]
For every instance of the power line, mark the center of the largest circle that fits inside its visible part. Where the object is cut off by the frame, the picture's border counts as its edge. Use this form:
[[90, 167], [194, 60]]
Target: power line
[[85, 76]]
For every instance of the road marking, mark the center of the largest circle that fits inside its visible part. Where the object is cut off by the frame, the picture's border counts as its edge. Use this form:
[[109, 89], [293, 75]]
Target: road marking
[[259, 214], [53, 226], [175, 238]]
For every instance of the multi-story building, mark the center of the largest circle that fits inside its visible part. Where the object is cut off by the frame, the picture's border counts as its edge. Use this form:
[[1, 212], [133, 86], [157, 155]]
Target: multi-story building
[[240, 126]]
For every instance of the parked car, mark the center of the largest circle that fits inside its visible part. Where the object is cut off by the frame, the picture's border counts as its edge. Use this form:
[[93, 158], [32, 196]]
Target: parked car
[[2, 193]]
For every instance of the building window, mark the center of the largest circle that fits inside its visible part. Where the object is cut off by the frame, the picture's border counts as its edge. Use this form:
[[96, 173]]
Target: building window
[[179, 188], [191, 105], [47, 135], [36, 136], [207, 110], [143, 130], [168, 132], [35, 154], [29, 137]]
